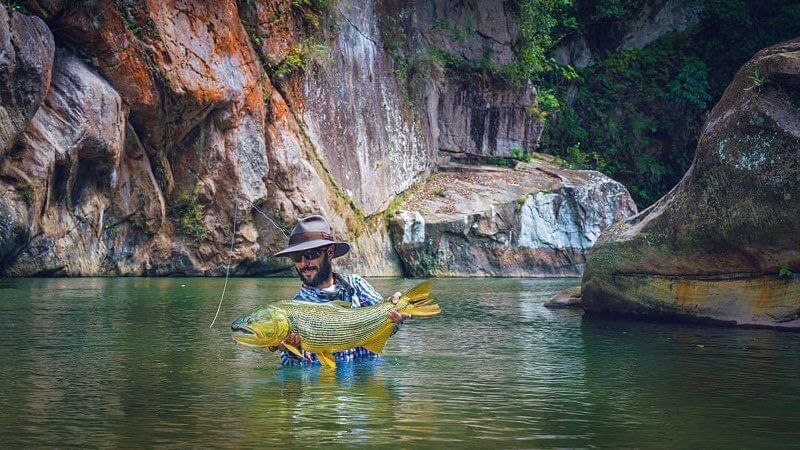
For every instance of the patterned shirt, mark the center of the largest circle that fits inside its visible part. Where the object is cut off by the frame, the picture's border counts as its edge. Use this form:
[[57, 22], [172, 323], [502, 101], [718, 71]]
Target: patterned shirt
[[352, 289]]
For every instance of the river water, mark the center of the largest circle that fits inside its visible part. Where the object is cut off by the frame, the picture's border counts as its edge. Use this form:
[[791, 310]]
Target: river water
[[132, 362]]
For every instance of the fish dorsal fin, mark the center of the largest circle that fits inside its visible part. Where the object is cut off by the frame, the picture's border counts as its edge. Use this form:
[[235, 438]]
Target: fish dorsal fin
[[376, 344], [418, 293], [326, 359]]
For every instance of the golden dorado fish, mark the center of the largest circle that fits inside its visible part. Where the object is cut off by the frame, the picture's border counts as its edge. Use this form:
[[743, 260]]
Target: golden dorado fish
[[325, 328]]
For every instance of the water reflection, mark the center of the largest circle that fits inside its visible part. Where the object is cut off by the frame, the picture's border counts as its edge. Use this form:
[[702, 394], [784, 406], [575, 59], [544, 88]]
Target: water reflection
[[133, 363]]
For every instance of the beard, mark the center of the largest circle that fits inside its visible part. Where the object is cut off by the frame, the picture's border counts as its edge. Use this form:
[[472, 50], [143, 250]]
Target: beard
[[323, 272]]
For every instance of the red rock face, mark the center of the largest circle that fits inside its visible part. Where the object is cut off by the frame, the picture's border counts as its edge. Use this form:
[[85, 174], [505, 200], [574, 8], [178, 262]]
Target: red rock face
[[170, 119], [720, 246]]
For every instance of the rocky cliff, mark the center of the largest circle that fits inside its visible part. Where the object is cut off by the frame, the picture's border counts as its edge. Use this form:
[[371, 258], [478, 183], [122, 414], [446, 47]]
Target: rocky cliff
[[136, 136], [724, 244], [534, 219]]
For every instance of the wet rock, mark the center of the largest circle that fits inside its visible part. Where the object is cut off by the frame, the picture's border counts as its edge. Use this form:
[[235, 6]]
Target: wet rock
[[720, 245], [535, 220], [568, 298]]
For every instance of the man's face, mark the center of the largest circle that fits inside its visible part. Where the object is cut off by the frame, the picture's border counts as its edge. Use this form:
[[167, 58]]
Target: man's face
[[314, 266]]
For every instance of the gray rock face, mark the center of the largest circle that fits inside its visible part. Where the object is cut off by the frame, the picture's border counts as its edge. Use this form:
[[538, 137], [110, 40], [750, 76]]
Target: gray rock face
[[26, 59], [65, 168], [723, 244], [372, 143], [535, 220], [659, 19], [467, 115], [474, 120], [655, 19]]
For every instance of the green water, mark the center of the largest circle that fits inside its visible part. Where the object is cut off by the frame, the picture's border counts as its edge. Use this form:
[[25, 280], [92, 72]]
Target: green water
[[132, 363]]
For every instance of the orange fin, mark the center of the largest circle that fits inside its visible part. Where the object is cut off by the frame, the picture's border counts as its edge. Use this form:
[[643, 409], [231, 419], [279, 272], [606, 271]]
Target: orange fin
[[293, 349], [423, 311], [326, 359], [418, 293], [379, 341]]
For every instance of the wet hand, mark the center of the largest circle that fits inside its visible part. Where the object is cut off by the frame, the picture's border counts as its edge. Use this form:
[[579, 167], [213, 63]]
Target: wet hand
[[291, 339], [397, 316]]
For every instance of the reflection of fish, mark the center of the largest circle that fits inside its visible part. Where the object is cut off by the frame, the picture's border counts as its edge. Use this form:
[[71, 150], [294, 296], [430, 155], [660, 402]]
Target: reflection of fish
[[325, 328]]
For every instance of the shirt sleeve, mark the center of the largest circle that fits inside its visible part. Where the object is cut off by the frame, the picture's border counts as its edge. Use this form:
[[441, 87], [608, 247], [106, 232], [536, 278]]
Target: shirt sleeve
[[367, 295]]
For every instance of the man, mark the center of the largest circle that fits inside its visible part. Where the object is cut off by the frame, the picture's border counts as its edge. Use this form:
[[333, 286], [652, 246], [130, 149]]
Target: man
[[312, 248]]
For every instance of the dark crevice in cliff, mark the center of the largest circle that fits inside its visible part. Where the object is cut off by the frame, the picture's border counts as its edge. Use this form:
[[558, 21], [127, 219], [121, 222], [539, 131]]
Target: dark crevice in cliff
[[492, 38], [361, 32]]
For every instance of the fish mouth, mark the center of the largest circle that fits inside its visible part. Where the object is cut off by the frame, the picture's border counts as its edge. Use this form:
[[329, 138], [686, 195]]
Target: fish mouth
[[242, 330]]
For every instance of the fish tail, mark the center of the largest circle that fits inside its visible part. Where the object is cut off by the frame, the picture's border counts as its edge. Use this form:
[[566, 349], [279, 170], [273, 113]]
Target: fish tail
[[419, 303]]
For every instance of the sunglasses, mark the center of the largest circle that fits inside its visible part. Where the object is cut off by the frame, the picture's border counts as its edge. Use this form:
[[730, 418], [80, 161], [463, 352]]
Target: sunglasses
[[314, 253]]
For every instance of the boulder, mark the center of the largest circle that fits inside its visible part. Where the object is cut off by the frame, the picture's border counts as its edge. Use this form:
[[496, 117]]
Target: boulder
[[568, 298], [724, 244], [536, 219]]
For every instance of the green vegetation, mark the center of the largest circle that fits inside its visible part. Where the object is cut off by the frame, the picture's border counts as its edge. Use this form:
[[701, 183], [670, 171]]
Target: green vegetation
[[429, 264], [25, 190], [637, 114], [190, 214], [757, 78], [457, 34], [784, 273], [311, 11], [297, 59], [19, 7], [634, 114], [112, 229]]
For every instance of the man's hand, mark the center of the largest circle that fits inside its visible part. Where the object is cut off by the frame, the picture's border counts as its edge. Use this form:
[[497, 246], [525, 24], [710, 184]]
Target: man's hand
[[397, 316], [291, 339]]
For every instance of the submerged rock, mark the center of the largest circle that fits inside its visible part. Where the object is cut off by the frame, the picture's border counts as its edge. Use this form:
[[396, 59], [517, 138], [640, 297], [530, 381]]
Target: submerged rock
[[568, 298], [535, 220], [723, 244]]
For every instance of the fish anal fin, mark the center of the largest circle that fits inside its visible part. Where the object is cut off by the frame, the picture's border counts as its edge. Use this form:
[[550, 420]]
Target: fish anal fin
[[376, 344], [293, 349], [326, 359]]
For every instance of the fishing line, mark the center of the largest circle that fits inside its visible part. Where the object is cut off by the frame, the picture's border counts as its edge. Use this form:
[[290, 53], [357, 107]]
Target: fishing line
[[228, 270], [230, 254], [269, 218]]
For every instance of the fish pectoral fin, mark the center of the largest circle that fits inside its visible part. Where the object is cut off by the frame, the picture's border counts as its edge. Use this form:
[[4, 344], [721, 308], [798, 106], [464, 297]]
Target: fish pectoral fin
[[326, 359], [376, 344], [293, 349]]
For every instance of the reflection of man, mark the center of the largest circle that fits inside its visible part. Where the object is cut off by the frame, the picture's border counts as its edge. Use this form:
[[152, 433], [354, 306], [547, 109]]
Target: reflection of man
[[312, 247]]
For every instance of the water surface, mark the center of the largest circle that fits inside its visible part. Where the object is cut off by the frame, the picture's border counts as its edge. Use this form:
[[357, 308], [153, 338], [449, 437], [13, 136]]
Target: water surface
[[131, 362]]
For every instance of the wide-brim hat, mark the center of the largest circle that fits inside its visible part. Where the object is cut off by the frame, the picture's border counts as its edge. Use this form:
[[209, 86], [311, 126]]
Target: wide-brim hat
[[312, 232]]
